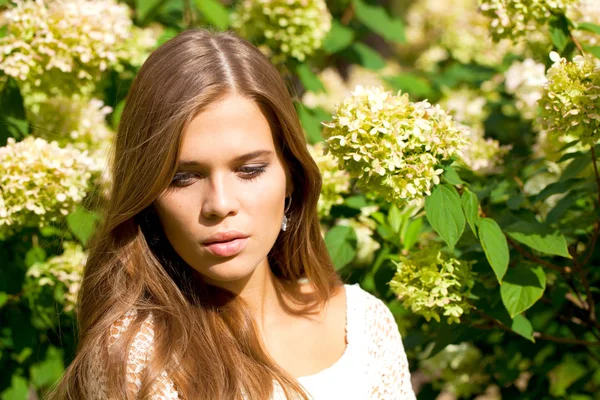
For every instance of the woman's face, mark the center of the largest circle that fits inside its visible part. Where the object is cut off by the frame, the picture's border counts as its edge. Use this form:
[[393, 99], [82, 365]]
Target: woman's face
[[229, 180]]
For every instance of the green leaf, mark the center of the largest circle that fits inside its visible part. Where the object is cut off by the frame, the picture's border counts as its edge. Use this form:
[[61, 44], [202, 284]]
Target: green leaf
[[115, 118], [338, 38], [356, 202], [470, 206], [310, 81], [395, 218], [451, 176], [494, 245], [341, 244], [523, 327], [564, 375], [559, 32], [411, 234], [539, 237], [556, 187], [444, 213], [311, 122], [575, 167], [17, 390], [82, 224], [412, 84], [48, 371], [368, 57], [522, 287], [595, 50], [377, 19], [588, 26], [3, 298], [35, 254], [214, 13], [144, 9]]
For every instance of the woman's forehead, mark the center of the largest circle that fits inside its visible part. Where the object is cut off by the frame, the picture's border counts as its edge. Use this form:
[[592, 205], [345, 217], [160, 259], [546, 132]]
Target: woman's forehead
[[227, 129]]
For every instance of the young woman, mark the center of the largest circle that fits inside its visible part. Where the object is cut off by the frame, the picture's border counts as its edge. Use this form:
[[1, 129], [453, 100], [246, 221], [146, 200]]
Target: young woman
[[209, 278]]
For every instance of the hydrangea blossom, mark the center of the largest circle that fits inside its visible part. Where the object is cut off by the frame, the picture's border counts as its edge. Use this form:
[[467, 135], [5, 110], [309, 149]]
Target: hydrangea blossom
[[65, 270], [393, 146], [284, 29], [467, 106], [73, 120], [571, 96], [457, 369], [452, 28], [432, 283], [335, 181], [59, 45], [39, 183], [586, 11], [336, 88], [517, 18], [525, 80]]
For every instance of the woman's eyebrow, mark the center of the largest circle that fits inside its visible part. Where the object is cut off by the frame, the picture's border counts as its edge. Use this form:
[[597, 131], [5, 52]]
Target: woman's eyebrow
[[244, 157]]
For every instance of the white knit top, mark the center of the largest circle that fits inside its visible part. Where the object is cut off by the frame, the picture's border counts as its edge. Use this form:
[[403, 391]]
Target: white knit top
[[373, 365]]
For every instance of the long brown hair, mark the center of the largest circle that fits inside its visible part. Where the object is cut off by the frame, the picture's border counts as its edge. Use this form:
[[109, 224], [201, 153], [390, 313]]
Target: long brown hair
[[131, 265]]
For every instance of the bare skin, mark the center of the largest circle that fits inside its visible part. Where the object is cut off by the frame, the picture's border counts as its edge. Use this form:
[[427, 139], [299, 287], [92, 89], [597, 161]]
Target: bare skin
[[214, 191]]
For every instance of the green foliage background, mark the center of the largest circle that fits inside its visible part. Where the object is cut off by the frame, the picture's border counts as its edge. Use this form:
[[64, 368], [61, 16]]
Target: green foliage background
[[528, 321]]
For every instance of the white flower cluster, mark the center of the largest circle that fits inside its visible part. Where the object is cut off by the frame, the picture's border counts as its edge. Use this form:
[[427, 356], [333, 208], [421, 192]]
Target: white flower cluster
[[39, 183], [457, 369], [393, 146], [525, 80], [65, 269], [452, 28], [515, 19], [586, 11], [284, 29], [337, 88], [570, 100], [431, 283], [61, 45], [335, 181], [73, 120], [467, 106]]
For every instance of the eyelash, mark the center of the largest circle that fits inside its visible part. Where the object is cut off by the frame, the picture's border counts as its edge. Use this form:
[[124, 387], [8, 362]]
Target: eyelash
[[251, 174]]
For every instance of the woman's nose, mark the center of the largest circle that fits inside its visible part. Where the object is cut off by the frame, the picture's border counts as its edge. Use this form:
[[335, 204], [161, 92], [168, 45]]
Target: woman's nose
[[219, 198]]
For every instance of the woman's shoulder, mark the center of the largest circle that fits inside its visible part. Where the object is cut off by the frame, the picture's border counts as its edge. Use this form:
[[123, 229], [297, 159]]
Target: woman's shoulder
[[369, 316], [144, 336]]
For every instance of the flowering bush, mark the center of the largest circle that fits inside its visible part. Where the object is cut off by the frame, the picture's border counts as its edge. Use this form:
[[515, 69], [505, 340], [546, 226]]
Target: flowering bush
[[480, 210], [335, 183], [392, 146], [430, 283], [62, 272], [570, 101], [454, 29], [526, 80], [517, 18], [41, 183], [61, 45], [286, 29], [74, 120]]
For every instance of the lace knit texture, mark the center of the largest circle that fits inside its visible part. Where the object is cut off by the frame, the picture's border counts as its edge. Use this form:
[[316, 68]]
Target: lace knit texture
[[373, 365]]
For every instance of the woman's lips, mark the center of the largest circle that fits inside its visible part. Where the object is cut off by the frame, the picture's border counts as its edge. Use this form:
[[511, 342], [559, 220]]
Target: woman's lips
[[227, 249]]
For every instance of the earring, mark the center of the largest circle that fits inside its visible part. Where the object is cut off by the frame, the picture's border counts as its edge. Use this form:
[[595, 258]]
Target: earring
[[284, 222]]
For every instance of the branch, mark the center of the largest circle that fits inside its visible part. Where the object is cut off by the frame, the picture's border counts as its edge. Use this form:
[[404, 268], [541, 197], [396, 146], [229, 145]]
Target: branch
[[557, 339], [576, 42], [537, 335], [533, 257]]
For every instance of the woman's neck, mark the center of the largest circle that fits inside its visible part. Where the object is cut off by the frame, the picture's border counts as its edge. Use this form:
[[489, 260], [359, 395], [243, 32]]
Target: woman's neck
[[259, 291]]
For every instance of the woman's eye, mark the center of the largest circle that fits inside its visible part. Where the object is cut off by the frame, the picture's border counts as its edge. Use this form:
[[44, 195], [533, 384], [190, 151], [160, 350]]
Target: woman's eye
[[250, 173], [182, 179]]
